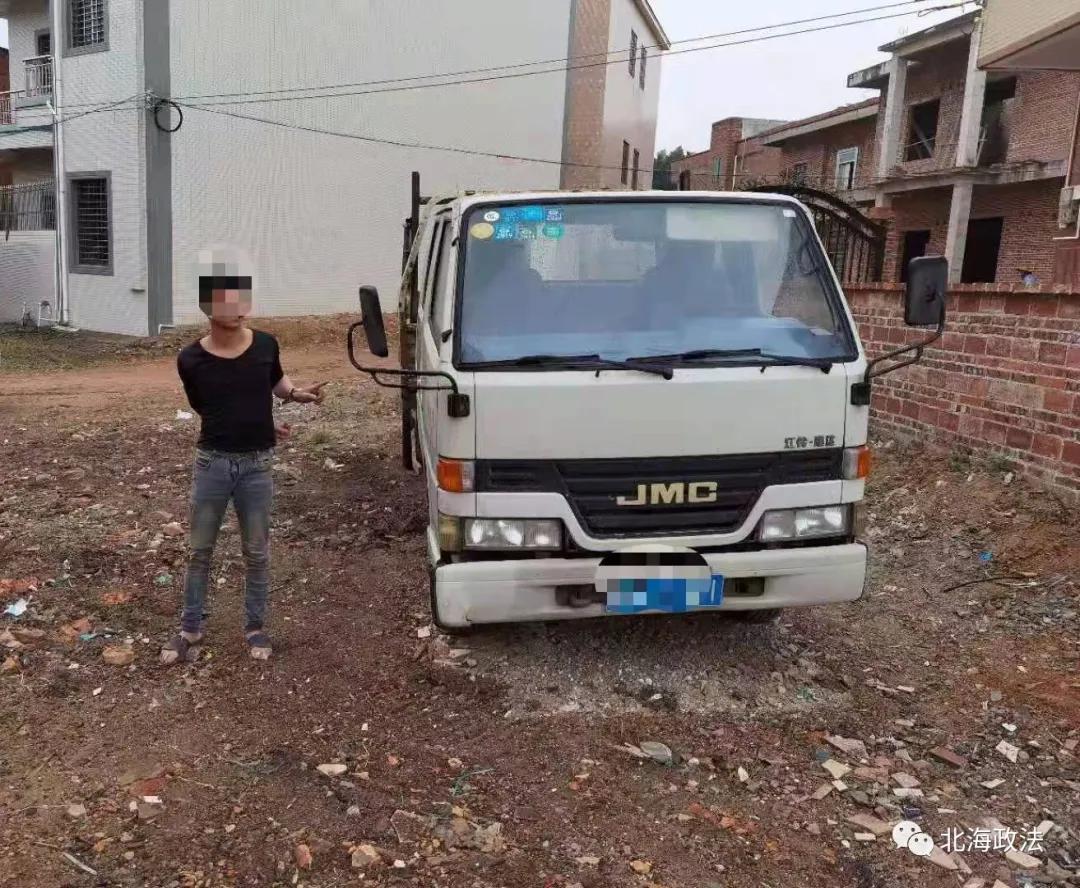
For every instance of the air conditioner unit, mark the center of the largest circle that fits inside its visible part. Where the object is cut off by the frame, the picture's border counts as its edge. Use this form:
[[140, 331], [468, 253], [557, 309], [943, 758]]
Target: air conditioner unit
[[1068, 207]]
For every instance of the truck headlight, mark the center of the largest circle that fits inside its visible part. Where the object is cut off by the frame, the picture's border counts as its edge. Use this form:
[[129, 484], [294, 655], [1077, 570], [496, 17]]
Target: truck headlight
[[512, 533], [801, 524]]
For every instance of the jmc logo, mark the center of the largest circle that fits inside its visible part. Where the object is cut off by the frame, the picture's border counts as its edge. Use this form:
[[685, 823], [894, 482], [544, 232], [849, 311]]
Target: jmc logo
[[671, 494]]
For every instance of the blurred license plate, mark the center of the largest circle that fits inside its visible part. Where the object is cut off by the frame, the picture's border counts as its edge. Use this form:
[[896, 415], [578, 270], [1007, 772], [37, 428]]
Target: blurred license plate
[[664, 581]]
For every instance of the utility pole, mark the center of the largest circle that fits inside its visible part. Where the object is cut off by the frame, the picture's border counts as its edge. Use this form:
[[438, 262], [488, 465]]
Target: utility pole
[[62, 312]]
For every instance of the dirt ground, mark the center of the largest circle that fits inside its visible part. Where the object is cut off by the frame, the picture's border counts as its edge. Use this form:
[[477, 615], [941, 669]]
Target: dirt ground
[[511, 757]]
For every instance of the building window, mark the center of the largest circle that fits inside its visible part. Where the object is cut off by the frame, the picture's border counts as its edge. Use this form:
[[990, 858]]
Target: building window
[[43, 43], [641, 70], [797, 174], [86, 21], [637, 164], [982, 250], [91, 224], [915, 245], [684, 180], [846, 163], [624, 178], [922, 130], [633, 51], [718, 169]]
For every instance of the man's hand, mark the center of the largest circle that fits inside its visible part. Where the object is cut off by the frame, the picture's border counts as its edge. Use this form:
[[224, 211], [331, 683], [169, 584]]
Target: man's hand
[[311, 394], [282, 431]]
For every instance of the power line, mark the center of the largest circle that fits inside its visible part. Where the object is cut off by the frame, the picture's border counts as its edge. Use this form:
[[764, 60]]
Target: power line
[[401, 143], [213, 108], [111, 105], [280, 95]]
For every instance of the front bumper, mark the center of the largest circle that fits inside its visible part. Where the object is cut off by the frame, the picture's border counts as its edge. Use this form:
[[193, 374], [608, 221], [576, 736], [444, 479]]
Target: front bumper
[[521, 590]]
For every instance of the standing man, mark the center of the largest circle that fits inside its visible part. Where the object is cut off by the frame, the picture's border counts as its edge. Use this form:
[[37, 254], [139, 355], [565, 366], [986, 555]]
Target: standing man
[[230, 376]]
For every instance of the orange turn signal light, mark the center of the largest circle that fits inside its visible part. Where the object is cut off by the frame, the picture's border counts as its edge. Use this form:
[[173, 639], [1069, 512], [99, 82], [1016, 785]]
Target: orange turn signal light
[[857, 463], [455, 475]]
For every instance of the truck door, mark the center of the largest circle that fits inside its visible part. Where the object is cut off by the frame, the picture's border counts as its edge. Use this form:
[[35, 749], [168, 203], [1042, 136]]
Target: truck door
[[429, 334]]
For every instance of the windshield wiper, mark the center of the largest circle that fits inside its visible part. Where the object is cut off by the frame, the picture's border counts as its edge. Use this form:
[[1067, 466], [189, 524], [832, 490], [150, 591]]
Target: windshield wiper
[[707, 354], [571, 361]]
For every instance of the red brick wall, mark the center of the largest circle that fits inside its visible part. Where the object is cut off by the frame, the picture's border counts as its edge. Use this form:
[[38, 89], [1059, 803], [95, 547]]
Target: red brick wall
[[818, 151], [1042, 117], [756, 161], [585, 98], [725, 135], [1030, 210], [913, 211], [1004, 379], [940, 74]]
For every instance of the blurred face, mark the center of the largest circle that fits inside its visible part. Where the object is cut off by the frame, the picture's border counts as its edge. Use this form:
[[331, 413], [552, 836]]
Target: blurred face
[[227, 301]]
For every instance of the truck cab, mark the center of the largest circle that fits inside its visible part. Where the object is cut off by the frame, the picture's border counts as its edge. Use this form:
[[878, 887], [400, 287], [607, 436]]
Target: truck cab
[[631, 403]]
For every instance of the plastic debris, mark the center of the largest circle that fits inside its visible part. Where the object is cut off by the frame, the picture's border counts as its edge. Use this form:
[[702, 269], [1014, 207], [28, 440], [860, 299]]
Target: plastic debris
[[17, 608]]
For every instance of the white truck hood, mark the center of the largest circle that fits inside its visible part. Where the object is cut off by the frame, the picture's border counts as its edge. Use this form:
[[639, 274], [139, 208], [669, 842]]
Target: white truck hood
[[571, 414]]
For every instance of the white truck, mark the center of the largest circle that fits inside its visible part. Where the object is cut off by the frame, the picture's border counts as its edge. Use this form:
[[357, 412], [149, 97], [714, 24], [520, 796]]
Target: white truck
[[639, 402]]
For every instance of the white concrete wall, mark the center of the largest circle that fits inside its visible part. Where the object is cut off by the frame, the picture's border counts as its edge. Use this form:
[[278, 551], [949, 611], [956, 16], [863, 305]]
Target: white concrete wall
[[111, 141], [630, 111], [320, 215], [1007, 23], [27, 272]]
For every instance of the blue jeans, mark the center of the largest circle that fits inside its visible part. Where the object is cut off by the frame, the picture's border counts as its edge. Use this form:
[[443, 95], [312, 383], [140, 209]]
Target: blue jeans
[[245, 479]]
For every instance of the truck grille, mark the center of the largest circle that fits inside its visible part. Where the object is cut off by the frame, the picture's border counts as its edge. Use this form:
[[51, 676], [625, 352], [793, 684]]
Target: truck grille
[[593, 486]]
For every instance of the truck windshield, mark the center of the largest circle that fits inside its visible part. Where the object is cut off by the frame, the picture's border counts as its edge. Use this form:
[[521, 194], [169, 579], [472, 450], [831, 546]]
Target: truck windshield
[[681, 281]]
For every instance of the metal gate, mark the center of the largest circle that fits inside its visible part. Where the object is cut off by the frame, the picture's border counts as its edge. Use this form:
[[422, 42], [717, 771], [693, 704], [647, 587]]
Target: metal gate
[[855, 243]]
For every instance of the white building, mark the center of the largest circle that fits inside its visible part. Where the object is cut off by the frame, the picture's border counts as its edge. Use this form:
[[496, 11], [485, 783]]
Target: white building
[[316, 214]]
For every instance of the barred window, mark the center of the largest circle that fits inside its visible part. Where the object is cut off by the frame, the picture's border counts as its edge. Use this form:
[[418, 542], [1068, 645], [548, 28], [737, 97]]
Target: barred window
[[641, 67], [92, 235], [633, 51], [86, 23]]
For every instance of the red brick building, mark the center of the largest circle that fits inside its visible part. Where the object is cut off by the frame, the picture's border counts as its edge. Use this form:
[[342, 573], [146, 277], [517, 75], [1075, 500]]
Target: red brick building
[[734, 157], [979, 166]]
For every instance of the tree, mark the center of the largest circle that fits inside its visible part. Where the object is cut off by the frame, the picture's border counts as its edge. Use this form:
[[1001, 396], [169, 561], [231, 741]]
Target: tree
[[663, 180]]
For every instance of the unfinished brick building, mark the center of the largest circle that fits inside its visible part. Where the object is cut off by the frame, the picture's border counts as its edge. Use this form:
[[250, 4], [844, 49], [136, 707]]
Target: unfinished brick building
[[979, 166]]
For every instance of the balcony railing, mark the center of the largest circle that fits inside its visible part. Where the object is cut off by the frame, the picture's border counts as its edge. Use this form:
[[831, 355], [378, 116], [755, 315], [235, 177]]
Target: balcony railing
[[28, 207], [7, 106], [38, 76], [38, 80]]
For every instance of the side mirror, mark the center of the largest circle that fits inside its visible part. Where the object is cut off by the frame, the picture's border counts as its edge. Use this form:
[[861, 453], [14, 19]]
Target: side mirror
[[927, 283], [372, 319]]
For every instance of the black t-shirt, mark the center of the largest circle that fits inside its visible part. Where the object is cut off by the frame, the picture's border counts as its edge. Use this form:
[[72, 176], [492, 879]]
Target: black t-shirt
[[234, 396]]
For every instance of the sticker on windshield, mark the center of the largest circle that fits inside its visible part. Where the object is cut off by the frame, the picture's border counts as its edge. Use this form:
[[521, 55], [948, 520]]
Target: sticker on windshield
[[790, 214], [526, 232], [532, 214], [505, 232], [553, 231], [511, 214], [554, 214], [491, 216], [482, 230]]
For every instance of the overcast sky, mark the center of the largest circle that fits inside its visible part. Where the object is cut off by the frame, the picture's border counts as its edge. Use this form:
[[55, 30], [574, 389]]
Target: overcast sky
[[782, 79]]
